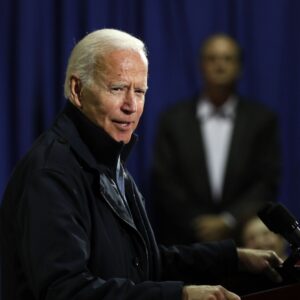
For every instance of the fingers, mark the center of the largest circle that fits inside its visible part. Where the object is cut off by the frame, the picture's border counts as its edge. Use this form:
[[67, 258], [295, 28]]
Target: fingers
[[208, 292], [231, 296], [273, 274], [210, 227], [220, 293], [257, 261], [273, 260]]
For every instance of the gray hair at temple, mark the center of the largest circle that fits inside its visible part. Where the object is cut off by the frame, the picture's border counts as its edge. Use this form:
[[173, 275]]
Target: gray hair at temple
[[88, 56]]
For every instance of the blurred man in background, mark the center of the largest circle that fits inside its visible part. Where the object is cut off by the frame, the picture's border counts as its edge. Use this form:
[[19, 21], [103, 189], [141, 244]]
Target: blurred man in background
[[217, 155]]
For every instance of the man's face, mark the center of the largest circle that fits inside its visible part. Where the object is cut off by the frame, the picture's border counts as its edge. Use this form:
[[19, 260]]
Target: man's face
[[115, 101], [220, 62], [256, 235]]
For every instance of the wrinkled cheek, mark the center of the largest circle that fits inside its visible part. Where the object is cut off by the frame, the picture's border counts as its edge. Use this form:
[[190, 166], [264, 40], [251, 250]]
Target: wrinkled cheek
[[140, 112]]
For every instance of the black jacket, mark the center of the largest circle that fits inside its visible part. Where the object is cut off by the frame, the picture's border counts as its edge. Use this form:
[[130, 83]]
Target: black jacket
[[180, 174], [66, 234]]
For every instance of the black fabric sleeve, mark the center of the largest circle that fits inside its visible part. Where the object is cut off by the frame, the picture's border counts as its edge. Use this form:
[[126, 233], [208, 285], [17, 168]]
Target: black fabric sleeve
[[200, 263], [54, 247]]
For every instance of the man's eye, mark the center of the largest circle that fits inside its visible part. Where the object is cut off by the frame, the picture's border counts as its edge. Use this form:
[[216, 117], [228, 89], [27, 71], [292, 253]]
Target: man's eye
[[117, 88], [140, 92]]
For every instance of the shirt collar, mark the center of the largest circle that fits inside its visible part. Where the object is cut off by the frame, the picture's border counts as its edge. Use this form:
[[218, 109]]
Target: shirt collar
[[205, 109]]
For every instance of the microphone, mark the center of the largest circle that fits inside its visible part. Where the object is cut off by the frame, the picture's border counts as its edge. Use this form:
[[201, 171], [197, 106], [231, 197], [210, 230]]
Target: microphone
[[279, 220]]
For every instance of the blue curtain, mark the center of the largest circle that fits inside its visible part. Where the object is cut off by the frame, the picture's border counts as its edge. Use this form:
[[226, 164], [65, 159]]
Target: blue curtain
[[37, 37]]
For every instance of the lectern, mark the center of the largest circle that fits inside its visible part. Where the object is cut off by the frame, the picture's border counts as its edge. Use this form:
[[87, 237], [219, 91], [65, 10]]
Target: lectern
[[288, 292], [259, 287]]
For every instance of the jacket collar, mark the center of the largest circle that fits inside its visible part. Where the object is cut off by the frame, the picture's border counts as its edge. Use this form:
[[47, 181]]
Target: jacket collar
[[206, 110], [89, 140]]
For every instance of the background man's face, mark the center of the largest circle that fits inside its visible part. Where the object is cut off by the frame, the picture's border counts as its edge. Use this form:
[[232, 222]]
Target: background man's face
[[115, 101], [256, 235], [220, 62]]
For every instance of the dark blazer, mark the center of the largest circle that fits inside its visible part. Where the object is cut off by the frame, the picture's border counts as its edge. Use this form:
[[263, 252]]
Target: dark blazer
[[182, 189], [66, 233]]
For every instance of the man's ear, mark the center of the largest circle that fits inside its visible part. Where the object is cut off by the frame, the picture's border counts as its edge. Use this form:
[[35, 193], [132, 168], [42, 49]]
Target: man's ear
[[75, 91]]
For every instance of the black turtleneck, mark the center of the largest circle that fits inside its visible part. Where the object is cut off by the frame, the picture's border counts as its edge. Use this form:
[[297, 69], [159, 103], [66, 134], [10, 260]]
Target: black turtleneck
[[103, 147]]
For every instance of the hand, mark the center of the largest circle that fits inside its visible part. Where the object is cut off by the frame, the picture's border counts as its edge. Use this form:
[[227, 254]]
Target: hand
[[207, 292], [256, 261], [210, 227]]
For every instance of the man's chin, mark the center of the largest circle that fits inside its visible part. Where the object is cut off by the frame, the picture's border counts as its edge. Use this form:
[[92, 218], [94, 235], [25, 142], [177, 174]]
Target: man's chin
[[125, 139]]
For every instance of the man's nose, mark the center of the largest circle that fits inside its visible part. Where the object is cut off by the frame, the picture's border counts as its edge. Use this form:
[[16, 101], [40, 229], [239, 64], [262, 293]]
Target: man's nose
[[130, 101]]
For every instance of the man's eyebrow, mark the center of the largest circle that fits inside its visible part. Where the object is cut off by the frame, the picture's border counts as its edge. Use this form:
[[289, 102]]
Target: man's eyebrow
[[111, 84]]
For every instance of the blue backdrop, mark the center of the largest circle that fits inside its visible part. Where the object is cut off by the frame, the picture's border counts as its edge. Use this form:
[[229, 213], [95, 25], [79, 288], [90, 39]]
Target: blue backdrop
[[37, 36]]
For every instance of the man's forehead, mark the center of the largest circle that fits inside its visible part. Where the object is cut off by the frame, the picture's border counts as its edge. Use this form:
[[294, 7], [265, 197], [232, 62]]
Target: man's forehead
[[120, 55], [119, 63], [129, 61], [221, 45]]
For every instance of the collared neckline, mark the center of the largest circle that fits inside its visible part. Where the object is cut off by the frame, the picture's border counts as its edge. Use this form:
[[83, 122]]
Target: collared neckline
[[100, 144], [205, 108]]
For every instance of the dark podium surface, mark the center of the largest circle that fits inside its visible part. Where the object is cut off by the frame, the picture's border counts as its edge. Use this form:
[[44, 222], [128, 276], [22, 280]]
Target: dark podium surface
[[258, 286], [288, 292]]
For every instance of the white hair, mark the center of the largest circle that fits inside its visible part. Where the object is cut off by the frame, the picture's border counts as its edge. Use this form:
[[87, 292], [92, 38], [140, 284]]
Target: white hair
[[88, 55]]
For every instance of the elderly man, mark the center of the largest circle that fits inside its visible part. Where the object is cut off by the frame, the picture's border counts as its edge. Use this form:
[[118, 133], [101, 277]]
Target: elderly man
[[73, 223]]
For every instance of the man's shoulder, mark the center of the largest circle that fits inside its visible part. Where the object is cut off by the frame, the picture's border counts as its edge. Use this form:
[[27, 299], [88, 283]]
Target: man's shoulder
[[49, 152], [47, 155], [181, 108], [255, 107], [254, 104]]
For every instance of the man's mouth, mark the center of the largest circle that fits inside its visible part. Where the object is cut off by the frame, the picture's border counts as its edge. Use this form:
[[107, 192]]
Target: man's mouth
[[122, 124]]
